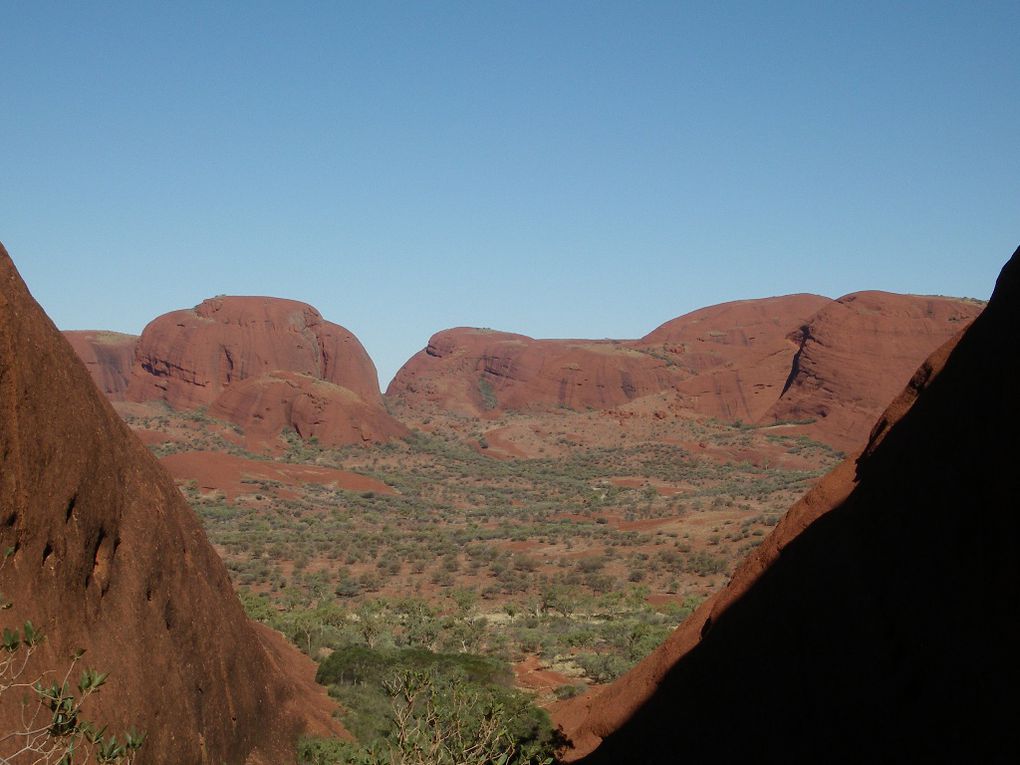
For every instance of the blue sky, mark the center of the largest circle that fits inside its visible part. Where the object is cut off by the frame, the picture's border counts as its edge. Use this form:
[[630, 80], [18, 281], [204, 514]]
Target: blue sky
[[552, 168]]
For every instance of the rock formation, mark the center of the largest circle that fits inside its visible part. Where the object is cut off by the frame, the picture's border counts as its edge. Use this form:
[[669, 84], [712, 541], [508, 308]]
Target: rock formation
[[265, 364], [736, 355], [476, 372], [108, 356], [187, 358], [796, 358], [857, 353], [875, 623], [107, 556], [333, 415]]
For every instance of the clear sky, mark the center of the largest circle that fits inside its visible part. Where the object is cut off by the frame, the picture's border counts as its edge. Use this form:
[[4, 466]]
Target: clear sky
[[559, 169]]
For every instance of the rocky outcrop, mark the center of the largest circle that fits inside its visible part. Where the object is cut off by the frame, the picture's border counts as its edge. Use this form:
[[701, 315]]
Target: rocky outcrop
[[737, 355], [108, 356], [829, 365], [187, 358], [107, 556], [265, 364], [479, 372], [875, 623], [265, 406], [857, 353]]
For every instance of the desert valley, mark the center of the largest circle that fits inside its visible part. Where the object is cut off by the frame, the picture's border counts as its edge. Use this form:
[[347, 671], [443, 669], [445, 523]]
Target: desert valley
[[560, 541]]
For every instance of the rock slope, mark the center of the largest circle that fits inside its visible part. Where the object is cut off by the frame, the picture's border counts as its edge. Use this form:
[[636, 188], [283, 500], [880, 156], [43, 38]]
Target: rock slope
[[107, 556], [876, 622], [479, 372], [857, 353], [187, 358], [829, 365], [265, 364], [108, 356]]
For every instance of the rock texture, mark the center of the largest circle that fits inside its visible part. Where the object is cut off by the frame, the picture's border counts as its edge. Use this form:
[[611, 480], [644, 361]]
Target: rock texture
[[857, 353], [479, 372], [108, 356], [107, 556], [187, 358], [876, 622], [791, 358], [264, 364], [736, 356], [333, 415]]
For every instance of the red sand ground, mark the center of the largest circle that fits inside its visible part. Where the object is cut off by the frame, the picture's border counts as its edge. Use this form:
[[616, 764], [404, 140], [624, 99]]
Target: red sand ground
[[214, 471]]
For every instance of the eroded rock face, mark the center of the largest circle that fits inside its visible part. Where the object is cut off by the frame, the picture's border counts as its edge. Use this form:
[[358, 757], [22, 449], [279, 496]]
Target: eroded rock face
[[875, 623], [265, 364], [857, 353], [187, 358], [267, 405], [108, 356], [107, 556], [738, 355], [479, 372], [829, 365]]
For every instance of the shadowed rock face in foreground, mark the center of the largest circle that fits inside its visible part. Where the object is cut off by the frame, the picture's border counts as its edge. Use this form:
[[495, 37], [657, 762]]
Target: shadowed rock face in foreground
[[108, 557], [878, 620]]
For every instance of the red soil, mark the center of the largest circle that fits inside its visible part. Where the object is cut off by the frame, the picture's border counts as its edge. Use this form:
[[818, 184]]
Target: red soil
[[214, 471], [530, 674]]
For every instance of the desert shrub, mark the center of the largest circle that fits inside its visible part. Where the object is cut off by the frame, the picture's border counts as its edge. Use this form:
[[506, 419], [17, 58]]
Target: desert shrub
[[569, 691], [54, 728], [403, 703], [602, 667]]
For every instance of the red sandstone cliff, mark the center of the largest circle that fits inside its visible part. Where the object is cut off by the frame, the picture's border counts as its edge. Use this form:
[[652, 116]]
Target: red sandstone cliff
[[478, 372], [107, 556], [790, 358], [738, 355], [265, 364], [857, 353], [187, 358], [108, 356], [335, 416]]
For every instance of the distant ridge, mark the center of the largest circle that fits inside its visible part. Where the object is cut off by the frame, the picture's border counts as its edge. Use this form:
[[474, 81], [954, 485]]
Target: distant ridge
[[803, 358]]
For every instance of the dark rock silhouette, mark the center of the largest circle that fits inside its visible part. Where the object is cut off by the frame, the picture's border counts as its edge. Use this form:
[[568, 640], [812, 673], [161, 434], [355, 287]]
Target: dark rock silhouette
[[877, 622], [107, 556]]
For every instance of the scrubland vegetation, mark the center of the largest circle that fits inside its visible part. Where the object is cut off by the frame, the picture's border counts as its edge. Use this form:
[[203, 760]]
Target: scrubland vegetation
[[579, 561]]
